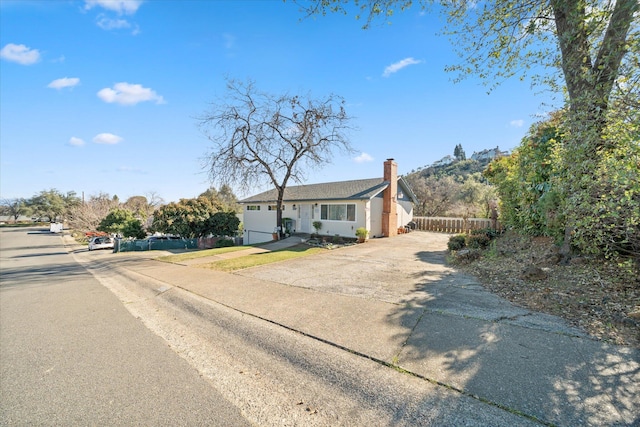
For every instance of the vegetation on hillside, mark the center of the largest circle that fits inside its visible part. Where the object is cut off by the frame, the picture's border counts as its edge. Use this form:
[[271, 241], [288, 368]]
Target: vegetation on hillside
[[457, 189]]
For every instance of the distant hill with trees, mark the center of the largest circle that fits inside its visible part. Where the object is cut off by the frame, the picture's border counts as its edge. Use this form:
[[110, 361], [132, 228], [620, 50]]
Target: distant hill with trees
[[455, 185], [459, 168]]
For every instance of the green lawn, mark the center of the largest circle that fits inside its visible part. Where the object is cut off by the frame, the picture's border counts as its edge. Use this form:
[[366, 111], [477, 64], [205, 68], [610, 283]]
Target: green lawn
[[201, 254], [254, 260]]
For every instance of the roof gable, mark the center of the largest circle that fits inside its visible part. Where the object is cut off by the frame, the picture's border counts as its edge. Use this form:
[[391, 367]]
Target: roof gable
[[361, 189], [402, 183]]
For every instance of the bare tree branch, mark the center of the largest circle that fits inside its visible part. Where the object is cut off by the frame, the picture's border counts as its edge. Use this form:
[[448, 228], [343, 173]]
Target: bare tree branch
[[259, 138]]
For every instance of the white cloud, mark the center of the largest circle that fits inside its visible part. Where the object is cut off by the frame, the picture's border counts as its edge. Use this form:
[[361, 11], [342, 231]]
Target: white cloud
[[394, 68], [128, 7], [112, 24], [109, 24], [20, 53], [107, 138], [363, 158], [64, 82], [129, 94], [76, 142], [517, 123]]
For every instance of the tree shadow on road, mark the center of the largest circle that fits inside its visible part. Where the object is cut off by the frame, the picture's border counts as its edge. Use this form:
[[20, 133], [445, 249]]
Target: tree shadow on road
[[41, 275], [483, 346]]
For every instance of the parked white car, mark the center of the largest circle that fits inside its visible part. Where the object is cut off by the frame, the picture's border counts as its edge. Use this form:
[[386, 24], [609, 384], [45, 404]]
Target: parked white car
[[100, 242]]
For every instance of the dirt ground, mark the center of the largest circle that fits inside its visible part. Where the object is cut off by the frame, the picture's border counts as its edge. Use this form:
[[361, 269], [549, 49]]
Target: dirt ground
[[592, 294]]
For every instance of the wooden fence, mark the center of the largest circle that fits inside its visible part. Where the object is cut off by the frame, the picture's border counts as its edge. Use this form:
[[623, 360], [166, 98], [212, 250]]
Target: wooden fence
[[455, 225]]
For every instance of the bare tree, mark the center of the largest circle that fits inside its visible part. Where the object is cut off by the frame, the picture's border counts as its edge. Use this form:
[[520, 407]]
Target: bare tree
[[260, 138], [86, 216], [435, 195], [154, 200]]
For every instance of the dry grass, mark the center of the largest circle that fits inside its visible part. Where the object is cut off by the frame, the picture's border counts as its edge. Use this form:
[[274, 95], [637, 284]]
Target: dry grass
[[593, 294]]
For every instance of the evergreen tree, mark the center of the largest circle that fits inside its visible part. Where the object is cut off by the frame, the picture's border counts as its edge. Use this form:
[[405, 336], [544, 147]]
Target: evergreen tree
[[459, 153]]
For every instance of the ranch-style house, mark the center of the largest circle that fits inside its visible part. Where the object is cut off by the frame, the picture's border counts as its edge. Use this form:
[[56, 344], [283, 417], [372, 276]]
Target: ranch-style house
[[381, 205]]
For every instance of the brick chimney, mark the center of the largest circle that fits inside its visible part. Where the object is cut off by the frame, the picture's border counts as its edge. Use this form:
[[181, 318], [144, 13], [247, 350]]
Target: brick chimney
[[389, 212]]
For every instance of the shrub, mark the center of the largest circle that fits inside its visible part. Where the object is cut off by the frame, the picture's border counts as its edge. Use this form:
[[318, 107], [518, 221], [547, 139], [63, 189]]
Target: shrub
[[489, 232], [133, 228], [478, 241], [224, 243], [362, 233], [457, 242]]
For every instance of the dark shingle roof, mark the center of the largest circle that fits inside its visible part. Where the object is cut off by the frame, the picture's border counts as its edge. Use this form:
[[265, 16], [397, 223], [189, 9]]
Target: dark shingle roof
[[360, 189]]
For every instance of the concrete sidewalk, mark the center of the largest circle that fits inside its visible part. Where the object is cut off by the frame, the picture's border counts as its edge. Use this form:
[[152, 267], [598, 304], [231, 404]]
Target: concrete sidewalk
[[449, 331]]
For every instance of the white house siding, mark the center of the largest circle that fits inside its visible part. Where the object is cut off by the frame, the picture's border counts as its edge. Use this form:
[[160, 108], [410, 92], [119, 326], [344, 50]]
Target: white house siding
[[342, 228], [261, 224]]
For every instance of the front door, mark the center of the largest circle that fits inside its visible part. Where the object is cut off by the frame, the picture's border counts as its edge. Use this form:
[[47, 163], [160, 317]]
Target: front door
[[305, 219]]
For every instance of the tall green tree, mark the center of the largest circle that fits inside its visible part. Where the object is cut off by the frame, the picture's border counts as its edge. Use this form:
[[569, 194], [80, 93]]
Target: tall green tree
[[137, 205], [529, 199], [605, 210], [134, 228], [188, 218], [122, 222], [210, 193], [53, 204], [260, 138], [228, 199], [14, 208], [225, 197]]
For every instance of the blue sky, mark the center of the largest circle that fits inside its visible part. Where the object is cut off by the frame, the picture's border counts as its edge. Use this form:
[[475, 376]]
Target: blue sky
[[102, 95]]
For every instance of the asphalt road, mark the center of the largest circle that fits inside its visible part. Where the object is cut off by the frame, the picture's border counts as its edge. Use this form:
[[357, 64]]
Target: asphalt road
[[71, 353]]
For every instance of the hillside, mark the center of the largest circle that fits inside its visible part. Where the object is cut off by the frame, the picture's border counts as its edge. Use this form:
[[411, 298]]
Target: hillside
[[459, 168]]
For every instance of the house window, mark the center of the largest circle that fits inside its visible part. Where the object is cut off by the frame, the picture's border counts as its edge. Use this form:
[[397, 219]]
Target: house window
[[275, 207], [338, 212], [253, 207]]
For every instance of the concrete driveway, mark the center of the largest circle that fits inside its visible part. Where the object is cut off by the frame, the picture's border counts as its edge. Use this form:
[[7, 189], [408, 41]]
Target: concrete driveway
[[409, 269], [393, 270]]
